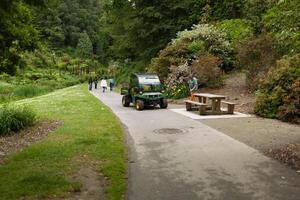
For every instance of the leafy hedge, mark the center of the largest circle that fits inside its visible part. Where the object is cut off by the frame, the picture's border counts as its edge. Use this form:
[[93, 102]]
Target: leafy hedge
[[237, 30], [15, 118], [279, 94]]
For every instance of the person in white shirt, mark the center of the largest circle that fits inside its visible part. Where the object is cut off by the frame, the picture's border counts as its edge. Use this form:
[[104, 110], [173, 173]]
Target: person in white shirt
[[103, 84]]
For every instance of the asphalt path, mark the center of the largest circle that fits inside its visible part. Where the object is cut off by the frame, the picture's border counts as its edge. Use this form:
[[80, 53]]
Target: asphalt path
[[172, 157]]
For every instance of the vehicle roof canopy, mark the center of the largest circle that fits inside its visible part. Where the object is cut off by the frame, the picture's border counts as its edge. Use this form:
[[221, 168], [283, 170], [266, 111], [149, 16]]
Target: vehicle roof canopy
[[146, 75], [147, 78]]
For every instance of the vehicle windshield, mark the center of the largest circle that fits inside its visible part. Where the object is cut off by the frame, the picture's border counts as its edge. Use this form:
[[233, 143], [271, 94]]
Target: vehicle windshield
[[150, 83]]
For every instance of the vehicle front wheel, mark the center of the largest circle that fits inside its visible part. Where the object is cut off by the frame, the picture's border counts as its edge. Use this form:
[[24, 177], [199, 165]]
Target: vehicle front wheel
[[139, 105], [125, 101], [163, 103]]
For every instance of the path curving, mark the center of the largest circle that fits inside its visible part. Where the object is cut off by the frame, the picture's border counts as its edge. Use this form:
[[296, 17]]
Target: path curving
[[173, 157]]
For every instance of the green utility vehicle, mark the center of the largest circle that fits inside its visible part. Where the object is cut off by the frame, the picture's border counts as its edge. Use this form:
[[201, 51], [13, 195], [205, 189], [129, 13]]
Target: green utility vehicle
[[144, 90]]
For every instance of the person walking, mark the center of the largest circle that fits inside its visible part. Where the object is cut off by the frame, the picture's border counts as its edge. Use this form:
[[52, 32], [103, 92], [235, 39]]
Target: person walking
[[103, 84], [111, 84], [193, 85], [96, 82], [90, 81]]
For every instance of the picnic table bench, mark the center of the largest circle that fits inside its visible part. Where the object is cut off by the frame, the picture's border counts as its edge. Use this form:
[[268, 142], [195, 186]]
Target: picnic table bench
[[199, 101], [200, 106]]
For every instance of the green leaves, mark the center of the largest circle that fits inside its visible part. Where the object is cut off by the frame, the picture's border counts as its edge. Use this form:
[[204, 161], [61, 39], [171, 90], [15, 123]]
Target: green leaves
[[84, 48], [17, 34]]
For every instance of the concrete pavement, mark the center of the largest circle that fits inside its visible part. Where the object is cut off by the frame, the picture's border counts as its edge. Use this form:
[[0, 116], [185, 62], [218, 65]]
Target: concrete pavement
[[173, 157]]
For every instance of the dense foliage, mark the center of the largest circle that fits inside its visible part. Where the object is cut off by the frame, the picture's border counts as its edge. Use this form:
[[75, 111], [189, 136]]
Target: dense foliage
[[14, 118], [204, 49], [282, 21], [279, 94], [176, 82], [256, 56], [17, 34], [237, 30]]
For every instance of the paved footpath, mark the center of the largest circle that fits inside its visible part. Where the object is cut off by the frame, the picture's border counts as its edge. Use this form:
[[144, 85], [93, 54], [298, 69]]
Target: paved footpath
[[173, 157]]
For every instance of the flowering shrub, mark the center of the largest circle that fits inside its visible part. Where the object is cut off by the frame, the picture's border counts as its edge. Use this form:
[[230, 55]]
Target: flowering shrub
[[177, 81], [215, 42], [182, 59]]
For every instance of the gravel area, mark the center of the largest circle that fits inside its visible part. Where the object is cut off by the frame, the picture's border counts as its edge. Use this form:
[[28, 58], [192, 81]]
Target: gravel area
[[272, 137], [17, 141]]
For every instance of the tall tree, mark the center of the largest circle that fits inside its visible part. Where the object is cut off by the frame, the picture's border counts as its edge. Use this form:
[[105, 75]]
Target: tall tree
[[84, 47], [140, 28]]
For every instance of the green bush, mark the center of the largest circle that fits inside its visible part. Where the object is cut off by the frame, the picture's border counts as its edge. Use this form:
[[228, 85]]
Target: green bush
[[6, 88], [26, 91], [178, 92], [279, 94], [15, 118], [196, 47], [237, 30], [282, 21], [215, 42], [173, 54]]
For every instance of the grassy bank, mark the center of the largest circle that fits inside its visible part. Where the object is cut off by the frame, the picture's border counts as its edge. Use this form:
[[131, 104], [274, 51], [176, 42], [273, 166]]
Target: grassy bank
[[35, 82], [89, 131]]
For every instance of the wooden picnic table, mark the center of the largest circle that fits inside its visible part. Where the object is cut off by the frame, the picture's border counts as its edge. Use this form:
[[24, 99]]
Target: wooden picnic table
[[215, 101], [199, 101]]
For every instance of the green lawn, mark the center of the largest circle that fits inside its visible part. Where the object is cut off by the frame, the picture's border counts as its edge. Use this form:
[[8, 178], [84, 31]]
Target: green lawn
[[89, 128]]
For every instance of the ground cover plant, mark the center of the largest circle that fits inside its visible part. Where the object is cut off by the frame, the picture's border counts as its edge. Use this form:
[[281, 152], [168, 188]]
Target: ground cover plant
[[15, 118], [88, 130]]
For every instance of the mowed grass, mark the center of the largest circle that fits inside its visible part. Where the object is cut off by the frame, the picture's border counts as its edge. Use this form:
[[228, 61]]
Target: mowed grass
[[90, 132]]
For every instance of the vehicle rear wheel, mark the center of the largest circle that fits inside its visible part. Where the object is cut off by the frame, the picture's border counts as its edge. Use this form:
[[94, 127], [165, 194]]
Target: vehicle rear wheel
[[139, 105], [125, 101], [163, 103]]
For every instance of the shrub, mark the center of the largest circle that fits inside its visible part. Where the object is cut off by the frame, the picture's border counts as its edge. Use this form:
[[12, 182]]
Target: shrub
[[173, 54], [196, 47], [237, 30], [5, 88], [178, 92], [206, 69], [26, 91], [215, 43], [15, 118], [282, 21], [189, 44], [279, 94], [177, 80], [256, 56]]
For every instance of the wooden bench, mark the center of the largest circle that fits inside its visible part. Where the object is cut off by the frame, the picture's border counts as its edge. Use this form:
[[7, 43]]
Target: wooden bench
[[201, 106], [230, 106]]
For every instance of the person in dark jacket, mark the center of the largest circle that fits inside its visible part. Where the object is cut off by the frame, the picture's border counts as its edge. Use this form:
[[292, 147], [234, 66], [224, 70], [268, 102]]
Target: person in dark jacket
[[90, 81], [111, 84], [96, 82]]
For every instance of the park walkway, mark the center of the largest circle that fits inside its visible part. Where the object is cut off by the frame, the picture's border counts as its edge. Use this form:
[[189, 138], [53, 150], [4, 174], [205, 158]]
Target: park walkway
[[173, 157]]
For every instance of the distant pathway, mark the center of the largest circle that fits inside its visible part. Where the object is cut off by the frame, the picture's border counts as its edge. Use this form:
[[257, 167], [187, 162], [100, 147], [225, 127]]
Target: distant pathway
[[194, 161]]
